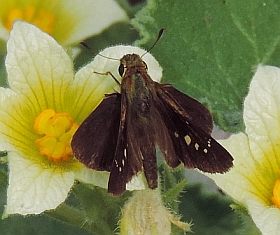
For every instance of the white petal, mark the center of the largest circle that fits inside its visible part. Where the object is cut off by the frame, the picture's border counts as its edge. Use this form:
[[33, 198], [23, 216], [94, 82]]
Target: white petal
[[97, 178], [262, 116], [246, 179], [38, 68], [33, 189], [73, 20], [267, 219], [13, 126], [87, 91], [137, 183], [88, 18]]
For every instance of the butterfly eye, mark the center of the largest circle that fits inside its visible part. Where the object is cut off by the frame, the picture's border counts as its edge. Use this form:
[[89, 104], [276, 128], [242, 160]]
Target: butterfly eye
[[121, 69]]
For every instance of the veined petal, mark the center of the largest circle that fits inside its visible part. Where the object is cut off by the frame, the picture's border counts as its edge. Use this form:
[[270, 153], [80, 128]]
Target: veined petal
[[33, 189], [87, 91], [89, 18], [138, 182], [16, 131], [68, 21], [37, 125], [256, 155], [40, 72], [262, 117], [246, 179], [254, 179], [267, 219], [98, 178]]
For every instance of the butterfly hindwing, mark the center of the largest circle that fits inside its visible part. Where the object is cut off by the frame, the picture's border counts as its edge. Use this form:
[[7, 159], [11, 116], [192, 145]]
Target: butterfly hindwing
[[163, 134], [89, 146]]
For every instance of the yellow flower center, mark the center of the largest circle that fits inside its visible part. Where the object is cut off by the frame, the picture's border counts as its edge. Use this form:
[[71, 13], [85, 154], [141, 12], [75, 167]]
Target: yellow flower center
[[42, 19], [57, 130], [276, 194]]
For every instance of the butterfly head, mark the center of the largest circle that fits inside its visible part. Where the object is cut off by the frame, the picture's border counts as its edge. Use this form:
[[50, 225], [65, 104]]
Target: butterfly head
[[133, 62]]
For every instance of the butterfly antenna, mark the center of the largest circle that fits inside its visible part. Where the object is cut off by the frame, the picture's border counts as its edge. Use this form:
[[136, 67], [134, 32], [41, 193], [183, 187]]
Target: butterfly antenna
[[84, 44], [108, 57], [158, 37], [106, 73]]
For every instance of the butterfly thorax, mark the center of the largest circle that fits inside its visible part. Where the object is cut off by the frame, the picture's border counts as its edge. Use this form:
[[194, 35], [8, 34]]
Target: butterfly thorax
[[137, 84]]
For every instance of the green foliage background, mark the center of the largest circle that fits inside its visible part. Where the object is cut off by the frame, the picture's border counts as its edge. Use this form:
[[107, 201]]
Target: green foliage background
[[211, 48]]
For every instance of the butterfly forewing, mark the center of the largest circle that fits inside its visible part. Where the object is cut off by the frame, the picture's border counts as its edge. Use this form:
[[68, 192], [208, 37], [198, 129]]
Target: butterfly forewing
[[195, 112], [121, 168], [193, 144], [95, 141]]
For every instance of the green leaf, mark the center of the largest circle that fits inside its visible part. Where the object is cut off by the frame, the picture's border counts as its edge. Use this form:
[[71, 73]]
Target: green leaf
[[211, 214], [172, 184], [132, 6], [173, 193], [68, 214], [248, 226], [34, 225], [102, 211], [3, 73], [210, 48], [3, 178]]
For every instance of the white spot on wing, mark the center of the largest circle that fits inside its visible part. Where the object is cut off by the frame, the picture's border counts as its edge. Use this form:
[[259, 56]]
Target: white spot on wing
[[196, 146], [142, 157], [188, 139]]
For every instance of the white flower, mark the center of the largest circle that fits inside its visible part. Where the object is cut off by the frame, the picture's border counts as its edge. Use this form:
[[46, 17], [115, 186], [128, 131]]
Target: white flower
[[40, 112], [68, 21], [254, 181]]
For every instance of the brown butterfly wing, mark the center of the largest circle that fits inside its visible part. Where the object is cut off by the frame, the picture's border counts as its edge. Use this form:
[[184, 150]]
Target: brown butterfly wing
[[95, 141], [190, 124]]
